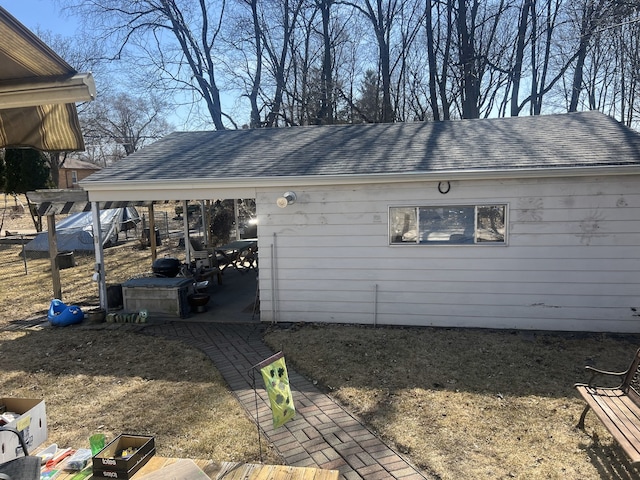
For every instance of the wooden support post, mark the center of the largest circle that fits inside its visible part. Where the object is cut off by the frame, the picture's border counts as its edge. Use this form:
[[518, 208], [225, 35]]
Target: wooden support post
[[53, 257], [100, 270], [206, 222], [236, 214], [152, 233], [185, 216]]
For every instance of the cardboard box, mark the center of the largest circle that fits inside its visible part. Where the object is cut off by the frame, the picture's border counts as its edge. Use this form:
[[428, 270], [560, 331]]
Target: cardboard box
[[32, 424], [107, 463]]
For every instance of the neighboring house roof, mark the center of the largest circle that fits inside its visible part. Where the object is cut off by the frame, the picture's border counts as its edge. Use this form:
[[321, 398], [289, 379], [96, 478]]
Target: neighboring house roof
[[76, 164], [330, 153]]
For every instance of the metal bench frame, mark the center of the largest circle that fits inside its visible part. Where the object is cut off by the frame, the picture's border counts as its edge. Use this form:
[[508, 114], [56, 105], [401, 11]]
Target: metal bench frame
[[618, 408]]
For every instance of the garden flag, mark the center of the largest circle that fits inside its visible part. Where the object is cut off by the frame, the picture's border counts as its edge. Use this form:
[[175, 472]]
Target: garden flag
[[276, 380]]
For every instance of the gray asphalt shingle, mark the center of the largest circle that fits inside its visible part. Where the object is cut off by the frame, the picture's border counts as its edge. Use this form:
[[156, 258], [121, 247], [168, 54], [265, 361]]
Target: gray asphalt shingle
[[549, 141]]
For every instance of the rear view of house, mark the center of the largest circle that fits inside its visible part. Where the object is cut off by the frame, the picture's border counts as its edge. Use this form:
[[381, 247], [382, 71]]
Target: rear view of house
[[525, 223]]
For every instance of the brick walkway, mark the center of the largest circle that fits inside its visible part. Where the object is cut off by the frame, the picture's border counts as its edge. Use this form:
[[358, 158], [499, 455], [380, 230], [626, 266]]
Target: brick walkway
[[323, 434]]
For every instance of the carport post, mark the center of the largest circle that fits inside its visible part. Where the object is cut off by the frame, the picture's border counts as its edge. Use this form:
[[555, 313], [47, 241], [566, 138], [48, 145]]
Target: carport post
[[97, 244], [185, 217], [53, 256]]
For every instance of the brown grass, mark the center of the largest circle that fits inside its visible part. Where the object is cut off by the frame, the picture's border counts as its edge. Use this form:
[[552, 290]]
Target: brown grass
[[459, 403], [113, 381], [468, 403], [117, 382], [121, 263]]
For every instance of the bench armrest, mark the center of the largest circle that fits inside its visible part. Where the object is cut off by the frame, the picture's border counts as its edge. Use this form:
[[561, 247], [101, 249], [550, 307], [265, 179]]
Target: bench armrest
[[596, 371]]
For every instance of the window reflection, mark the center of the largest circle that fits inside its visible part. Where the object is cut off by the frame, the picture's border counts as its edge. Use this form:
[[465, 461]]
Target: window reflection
[[452, 224]]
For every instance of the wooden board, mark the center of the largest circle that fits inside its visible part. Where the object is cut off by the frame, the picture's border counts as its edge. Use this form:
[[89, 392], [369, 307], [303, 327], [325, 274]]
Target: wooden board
[[249, 471], [183, 469], [168, 466], [619, 414], [162, 468]]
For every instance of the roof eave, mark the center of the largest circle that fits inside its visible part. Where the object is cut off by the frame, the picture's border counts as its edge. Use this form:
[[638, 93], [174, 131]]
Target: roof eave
[[186, 188]]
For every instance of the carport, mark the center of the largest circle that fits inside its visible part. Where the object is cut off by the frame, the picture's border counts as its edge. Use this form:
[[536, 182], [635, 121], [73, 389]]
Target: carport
[[38, 91]]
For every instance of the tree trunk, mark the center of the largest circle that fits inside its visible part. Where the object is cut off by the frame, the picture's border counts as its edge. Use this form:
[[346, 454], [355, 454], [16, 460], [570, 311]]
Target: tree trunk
[[586, 31], [470, 82], [431, 57], [326, 112], [255, 121], [198, 57], [54, 168], [444, 100], [517, 67]]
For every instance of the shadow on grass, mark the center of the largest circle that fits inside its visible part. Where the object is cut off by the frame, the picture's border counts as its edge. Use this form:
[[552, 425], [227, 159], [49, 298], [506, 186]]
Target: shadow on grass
[[515, 363], [610, 462], [116, 353], [115, 381], [504, 398]]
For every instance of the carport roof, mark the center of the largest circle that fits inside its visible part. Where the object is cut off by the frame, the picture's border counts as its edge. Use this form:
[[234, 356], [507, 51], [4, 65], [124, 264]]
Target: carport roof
[[34, 80], [517, 146]]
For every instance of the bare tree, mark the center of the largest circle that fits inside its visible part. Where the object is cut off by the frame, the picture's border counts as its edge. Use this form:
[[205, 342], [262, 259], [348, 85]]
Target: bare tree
[[326, 110], [521, 42], [83, 53], [381, 14], [595, 17], [431, 56], [125, 120], [171, 34], [250, 49], [294, 62], [278, 43]]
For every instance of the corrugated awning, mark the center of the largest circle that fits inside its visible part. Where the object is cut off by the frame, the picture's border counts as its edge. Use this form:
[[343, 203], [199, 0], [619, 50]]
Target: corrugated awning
[[38, 91]]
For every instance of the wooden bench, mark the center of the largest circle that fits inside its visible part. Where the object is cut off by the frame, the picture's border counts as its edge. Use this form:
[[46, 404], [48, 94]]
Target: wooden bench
[[618, 408]]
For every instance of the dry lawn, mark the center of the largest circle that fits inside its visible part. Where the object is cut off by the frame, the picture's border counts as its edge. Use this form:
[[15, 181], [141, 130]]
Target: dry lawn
[[118, 382], [465, 404], [460, 404], [112, 381]]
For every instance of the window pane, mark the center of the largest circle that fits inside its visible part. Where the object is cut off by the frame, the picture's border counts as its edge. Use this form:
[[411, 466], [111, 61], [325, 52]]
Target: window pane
[[402, 225], [452, 224], [491, 223]]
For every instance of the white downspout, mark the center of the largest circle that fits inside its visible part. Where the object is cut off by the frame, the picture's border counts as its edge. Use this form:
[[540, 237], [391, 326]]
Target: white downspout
[[274, 281]]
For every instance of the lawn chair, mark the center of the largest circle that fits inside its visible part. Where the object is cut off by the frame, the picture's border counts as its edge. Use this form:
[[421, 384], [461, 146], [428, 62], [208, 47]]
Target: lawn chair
[[21, 468], [205, 258]]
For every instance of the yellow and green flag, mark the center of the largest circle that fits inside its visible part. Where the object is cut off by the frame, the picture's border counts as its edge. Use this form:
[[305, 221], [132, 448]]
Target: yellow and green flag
[[276, 380]]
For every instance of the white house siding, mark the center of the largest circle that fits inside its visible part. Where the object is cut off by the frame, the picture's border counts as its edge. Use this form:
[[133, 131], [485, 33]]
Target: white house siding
[[571, 261]]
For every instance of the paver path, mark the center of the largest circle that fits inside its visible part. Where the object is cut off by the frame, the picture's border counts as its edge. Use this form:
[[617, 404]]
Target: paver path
[[322, 434]]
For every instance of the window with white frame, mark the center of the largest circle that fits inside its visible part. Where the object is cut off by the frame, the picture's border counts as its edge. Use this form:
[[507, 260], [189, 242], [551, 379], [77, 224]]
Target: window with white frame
[[74, 177], [448, 225]]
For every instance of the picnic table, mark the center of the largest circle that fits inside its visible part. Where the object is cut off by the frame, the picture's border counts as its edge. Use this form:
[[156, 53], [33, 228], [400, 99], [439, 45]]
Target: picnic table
[[163, 468], [239, 254]]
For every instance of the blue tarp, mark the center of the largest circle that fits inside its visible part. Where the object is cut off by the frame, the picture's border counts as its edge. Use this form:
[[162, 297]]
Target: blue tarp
[[75, 233]]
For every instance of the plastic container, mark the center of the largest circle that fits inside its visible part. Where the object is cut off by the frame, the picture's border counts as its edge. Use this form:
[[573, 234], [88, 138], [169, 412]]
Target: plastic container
[[78, 460], [48, 453]]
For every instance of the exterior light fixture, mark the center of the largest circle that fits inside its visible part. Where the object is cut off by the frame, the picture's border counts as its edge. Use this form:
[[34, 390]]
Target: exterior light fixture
[[288, 198]]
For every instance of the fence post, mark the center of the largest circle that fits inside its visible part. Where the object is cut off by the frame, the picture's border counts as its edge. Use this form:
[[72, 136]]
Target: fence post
[[24, 255]]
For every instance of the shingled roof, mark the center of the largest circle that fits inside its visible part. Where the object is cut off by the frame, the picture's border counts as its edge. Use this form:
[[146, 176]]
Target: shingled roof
[[586, 139]]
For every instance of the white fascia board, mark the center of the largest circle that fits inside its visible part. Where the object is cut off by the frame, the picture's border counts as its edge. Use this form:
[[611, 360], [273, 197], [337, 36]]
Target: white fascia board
[[183, 189], [79, 88], [153, 191]]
